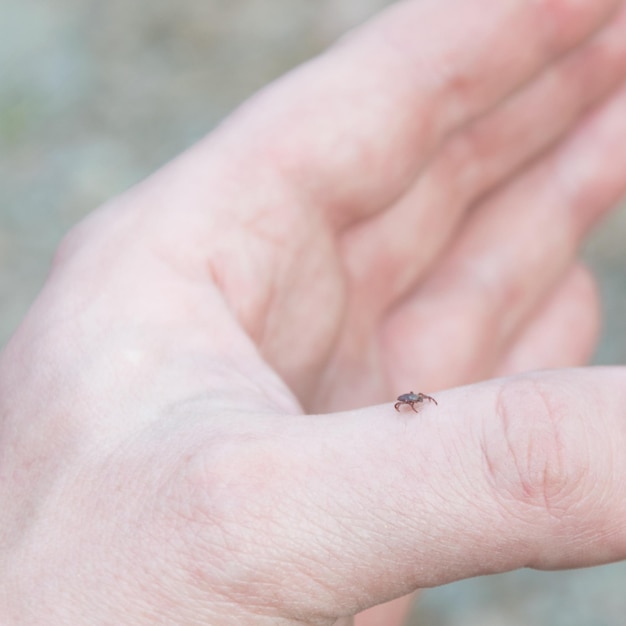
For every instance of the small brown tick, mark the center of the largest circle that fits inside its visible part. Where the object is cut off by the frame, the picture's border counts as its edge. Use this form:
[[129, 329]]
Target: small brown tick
[[411, 398]]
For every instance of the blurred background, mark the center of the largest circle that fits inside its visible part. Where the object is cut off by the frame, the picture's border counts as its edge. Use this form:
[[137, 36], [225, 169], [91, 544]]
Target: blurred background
[[95, 95]]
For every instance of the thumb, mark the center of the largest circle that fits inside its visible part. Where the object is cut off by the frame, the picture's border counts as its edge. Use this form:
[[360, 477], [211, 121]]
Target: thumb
[[518, 472]]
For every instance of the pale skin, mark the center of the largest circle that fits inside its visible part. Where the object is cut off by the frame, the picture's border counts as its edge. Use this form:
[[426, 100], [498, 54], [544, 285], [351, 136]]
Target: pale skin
[[197, 419]]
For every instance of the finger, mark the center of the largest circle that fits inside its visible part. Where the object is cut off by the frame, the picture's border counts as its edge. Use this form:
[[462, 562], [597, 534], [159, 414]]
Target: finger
[[391, 91], [511, 254], [562, 333], [381, 100], [520, 472], [410, 235]]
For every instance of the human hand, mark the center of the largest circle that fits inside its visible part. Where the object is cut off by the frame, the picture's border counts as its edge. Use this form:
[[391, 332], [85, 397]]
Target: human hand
[[403, 211]]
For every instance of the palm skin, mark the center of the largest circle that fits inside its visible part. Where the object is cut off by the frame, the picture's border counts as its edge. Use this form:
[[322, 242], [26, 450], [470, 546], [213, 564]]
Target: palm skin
[[379, 246], [419, 229]]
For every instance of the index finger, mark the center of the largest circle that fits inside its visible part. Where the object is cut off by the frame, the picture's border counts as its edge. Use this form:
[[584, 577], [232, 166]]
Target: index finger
[[519, 472], [349, 132]]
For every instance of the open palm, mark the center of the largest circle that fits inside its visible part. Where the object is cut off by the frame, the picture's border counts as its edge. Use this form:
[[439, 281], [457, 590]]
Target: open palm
[[402, 213]]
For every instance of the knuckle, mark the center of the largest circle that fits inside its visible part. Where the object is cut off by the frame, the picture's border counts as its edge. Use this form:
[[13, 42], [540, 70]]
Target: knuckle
[[219, 482], [234, 499], [532, 453], [217, 501]]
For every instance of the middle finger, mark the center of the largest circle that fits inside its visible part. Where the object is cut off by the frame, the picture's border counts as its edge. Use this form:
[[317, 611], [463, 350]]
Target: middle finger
[[411, 235]]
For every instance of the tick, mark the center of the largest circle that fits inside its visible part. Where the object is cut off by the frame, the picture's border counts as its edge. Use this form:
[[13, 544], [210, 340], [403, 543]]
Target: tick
[[411, 398]]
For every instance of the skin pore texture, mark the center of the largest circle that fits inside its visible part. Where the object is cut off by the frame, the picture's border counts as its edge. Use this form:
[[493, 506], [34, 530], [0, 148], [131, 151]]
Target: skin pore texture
[[197, 419]]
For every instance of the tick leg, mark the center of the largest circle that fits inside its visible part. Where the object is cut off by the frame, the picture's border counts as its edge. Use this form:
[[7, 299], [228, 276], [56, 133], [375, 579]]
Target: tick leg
[[397, 406], [429, 398], [412, 405]]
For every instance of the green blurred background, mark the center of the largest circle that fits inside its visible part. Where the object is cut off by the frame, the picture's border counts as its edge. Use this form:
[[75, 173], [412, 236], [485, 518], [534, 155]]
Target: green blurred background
[[95, 95]]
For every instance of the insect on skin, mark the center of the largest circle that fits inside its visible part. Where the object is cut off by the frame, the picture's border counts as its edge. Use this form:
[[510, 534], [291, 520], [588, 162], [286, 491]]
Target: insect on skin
[[411, 398]]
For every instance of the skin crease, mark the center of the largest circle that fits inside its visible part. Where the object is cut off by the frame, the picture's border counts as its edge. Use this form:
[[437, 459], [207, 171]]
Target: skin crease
[[196, 416]]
